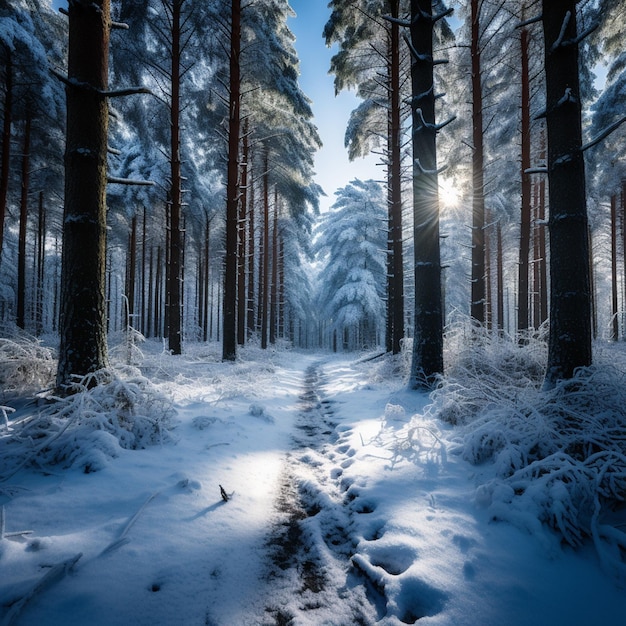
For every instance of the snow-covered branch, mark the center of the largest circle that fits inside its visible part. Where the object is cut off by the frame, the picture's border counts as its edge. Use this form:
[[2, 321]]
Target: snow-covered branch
[[604, 134]]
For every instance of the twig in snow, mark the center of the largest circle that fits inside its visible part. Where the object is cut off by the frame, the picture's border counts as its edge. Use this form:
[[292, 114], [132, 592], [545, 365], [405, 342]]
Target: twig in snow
[[55, 574]]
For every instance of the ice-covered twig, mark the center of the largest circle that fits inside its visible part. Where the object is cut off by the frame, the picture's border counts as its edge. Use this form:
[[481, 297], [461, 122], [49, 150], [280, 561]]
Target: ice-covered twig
[[55, 574]]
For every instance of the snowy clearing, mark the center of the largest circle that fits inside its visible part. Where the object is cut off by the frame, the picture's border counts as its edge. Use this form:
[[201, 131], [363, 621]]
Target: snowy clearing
[[345, 506]]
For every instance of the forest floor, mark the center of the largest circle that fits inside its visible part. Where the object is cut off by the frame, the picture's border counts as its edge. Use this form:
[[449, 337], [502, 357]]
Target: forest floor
[[347, 504]]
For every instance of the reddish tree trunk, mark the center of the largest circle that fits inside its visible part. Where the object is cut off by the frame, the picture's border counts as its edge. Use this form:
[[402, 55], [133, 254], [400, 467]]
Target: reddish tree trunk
[[229, 342], [6, 142], [524, 247], [21, 254]]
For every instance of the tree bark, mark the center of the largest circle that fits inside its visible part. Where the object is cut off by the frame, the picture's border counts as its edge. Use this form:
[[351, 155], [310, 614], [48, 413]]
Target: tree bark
[[174, 318], [83, 323], [477, 309], [242, 248], [524, 247], [6, 142], [273, 321], [396, 279], [229, 341], [427, 357], [614, 303], [21, 254], [570, 300], [266, 255]]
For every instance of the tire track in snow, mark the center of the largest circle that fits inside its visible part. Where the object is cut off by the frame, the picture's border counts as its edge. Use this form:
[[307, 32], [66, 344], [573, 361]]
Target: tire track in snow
[[312, 579]]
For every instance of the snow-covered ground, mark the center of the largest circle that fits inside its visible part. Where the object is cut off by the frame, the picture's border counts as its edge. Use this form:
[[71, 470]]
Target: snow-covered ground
[[346, 506]]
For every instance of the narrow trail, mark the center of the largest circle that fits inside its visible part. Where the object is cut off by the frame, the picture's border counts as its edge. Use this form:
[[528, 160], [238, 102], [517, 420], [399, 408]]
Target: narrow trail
[[310, 544]]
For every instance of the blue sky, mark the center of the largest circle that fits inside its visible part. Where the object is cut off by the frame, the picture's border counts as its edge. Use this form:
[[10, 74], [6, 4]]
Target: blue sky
[[331, 113]]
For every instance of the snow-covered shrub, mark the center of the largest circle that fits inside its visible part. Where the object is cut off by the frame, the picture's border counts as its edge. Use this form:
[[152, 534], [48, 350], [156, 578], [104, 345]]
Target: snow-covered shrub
[[25, 364], [110, 410], [555, 457], [483, 369]]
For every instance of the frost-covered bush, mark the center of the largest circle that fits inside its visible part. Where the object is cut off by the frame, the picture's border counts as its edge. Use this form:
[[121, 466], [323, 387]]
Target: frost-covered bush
[[552, 457], [483, 368], [109, 410], [25, 364]]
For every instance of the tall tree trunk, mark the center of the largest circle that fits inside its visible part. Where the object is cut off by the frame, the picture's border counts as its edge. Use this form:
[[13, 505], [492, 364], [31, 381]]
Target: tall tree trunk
[[592, 288], [524, 246], [427, 357], [229, 343], [500, 279], [251, 254], [396, 280], [21, 254], [174, 318], [614, 303], [41, 264], [477, 309], [242, 248], [543, 248], [6, 142], [131, 276], [266, 255], [83, 341], [144, 252], [207, 277], [570, 299], [274, 290]]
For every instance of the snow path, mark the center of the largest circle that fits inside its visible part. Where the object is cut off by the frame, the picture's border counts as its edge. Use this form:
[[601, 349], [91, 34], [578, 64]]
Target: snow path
[[348, 507], [310, 545]]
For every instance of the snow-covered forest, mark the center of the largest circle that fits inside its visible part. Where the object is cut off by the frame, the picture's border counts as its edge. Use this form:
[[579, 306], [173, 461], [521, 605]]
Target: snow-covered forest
[[221, 405]]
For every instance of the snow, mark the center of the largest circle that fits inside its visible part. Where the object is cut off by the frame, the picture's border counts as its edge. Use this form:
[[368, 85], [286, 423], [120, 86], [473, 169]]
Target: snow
[[347, 504]]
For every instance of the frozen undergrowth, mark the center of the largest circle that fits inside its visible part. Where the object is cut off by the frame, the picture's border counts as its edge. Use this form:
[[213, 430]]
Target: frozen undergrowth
[[110, 410], [26, 365], [546, 457]]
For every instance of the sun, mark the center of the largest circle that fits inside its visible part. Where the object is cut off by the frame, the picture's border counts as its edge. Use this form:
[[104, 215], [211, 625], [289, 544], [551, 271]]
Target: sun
[[449, 195]]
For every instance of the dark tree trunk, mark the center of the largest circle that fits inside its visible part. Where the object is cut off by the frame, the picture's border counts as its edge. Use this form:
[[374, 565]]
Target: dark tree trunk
[[477, 309], [174, 318], [131, 270], [241, 256], [21, 253], [427, 358], [614, 303], [6, 142], [396, 279], [266, 255], [524, 246], [41, 264], [207, 276], [570, 299], [229, 343], [500, 279], [83, 341], [149, 331], [142, 303], [274, 289], [251, 252]]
